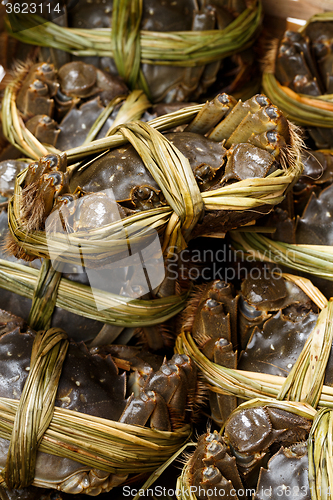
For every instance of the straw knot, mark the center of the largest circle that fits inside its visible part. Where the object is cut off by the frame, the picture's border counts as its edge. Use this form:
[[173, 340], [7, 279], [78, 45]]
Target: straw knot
[[173, 173], [125, 37], [36, 406]]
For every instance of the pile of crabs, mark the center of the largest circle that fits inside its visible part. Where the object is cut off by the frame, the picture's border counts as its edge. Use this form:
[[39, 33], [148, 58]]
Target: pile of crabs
[[241, 313]]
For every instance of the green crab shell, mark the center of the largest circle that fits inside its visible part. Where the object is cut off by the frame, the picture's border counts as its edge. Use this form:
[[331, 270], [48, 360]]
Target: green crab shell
[[287, 471]]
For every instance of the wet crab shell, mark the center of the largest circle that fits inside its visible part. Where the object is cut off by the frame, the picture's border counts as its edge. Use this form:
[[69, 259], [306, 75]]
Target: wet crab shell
[[123, 170], [315, 228], [313, 224], [34, 493], [317, 174], [153, 393], [60, 107], [8, 172]]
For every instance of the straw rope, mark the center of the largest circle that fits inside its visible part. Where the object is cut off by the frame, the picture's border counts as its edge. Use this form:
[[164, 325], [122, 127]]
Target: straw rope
[[44, 297], [35, 409], [312, 259], [174, 175], [130, 47], [320, 455], [125, 38], [77, 298]]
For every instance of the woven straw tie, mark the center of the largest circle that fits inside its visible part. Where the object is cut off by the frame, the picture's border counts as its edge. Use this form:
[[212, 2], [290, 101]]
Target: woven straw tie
[[36, 406], [173, 173]]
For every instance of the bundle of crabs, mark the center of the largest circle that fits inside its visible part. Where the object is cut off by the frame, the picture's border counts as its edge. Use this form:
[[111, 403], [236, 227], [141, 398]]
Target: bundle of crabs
[[109, 359]]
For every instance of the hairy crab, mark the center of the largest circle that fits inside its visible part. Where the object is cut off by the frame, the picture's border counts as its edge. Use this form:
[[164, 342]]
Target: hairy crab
[[303, 64], [227, 142], [165, 83], [115, 383], [261, 454], [262, 328], [307, 218], [60, 106]]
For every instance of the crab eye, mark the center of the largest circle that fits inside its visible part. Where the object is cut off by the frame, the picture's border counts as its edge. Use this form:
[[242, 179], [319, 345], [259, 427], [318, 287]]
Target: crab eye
[[143, 193], [203, 171], [221, 284], [62, 97], [66, 199], [248, 310], [242, 458]]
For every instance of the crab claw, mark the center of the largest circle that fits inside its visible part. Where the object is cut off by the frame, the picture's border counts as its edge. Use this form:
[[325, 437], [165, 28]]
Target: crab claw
[[38, 87], [44, 129], [45, 164], [214, 469]]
